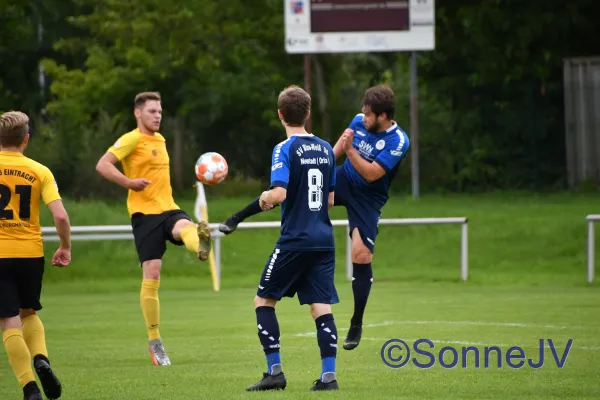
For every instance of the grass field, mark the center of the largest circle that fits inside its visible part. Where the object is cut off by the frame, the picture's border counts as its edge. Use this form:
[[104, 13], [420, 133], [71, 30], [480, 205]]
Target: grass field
[[527, 282]]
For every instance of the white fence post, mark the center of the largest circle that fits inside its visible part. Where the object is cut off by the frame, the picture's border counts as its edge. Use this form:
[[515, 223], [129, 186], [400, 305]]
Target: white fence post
[[124, 232], [464, 254], [591, 250]]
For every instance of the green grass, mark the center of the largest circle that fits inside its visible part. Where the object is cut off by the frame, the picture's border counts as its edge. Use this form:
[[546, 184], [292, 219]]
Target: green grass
[[98, 346], [527, 258]]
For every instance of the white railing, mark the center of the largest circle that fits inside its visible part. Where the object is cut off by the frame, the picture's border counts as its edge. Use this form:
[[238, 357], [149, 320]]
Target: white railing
[[124, 232], [590, 246]]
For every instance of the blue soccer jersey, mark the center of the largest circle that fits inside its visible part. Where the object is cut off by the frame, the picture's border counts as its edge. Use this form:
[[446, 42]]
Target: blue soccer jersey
[[387, 148], [305, 166]]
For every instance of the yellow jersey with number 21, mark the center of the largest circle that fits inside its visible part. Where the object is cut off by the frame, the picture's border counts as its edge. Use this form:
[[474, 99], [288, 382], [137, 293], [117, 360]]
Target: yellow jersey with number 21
[[145, 157], [23, 182]]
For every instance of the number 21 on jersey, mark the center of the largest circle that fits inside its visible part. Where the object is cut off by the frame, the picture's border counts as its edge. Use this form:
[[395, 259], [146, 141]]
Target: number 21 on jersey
[[24, 192], [315, 189]]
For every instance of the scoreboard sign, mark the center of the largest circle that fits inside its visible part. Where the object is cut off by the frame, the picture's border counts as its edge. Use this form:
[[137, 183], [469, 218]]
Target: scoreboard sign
[[347, 26]]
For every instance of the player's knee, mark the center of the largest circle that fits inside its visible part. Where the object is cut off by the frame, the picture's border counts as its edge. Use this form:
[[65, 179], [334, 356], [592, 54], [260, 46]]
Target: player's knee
[[179, 225], [318, 309], [10, 323], [361, 254], [263, 302], [151, 269], [26, 312]]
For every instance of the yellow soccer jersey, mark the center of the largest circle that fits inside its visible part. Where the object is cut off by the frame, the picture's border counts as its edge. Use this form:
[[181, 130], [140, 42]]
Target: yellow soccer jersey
[[146, 157], [22, 183]]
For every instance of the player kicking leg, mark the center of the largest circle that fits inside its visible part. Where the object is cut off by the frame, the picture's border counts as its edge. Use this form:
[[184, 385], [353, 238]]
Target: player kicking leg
[[374, 146], [155, 217]]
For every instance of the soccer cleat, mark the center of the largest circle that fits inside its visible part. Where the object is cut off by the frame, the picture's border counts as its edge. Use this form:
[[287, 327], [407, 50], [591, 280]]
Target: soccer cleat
[[353, 337], [158, 353], [50, 383], [269, 382], [320, 385], [32, 392], [229, 226], [205, 240]]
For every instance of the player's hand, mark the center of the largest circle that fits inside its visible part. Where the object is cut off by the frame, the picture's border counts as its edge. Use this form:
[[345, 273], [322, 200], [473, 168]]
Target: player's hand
[[261, 201], [62, 257], [347, 139], [138, 185]]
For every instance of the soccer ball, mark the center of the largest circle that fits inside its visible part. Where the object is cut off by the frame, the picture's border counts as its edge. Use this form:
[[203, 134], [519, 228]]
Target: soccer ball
[[211, 168]]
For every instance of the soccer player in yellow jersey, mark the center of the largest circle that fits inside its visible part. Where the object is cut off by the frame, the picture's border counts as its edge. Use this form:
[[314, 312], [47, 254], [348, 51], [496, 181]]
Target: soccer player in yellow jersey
[[155, 217], [23, 183]]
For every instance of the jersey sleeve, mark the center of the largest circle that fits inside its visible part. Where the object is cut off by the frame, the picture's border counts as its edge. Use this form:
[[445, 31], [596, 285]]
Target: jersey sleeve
[[394, 151], [280, 165], [124, 146], [356, 121], [49, 188]]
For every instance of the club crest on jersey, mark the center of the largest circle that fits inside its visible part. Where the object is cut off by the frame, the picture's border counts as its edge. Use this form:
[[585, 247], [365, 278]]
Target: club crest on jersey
[[380, 144], [154, 152]]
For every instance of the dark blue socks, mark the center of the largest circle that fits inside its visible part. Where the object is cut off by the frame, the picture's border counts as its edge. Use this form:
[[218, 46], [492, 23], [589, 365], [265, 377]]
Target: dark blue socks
[[268, 334], [362, 279], [327, 339]]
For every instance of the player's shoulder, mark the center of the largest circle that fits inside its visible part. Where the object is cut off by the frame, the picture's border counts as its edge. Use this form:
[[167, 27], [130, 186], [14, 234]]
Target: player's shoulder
[[397, 140], [37, 167], [284, 143], [159, 136], [357, 119], [128, 138], [323, 143]]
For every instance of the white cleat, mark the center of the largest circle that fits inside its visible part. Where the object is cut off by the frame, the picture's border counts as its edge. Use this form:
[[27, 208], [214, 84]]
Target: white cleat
[[158, 353]]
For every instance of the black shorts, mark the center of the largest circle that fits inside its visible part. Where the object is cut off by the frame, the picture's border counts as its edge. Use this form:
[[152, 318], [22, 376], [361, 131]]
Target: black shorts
[[152, 231], [20, 285], [310, 274]]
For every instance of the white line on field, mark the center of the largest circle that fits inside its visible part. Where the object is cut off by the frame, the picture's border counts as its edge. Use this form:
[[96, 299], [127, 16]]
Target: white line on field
[[480, 323], [459, 342]]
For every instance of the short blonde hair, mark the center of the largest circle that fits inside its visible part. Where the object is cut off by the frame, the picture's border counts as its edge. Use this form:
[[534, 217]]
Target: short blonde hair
[[14, 126]]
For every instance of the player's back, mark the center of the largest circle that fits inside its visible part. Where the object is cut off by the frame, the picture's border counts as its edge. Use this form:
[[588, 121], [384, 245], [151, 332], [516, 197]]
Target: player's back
[[23, 183], [310, 162]]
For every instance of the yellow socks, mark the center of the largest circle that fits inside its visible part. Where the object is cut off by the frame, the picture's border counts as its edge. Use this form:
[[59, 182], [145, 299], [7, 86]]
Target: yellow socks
[[189, 236], [35, 337], [150, 306], [18, 355]]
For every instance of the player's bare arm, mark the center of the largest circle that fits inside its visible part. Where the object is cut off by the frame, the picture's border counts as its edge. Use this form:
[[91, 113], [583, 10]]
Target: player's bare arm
[[272, 197], [62, 257], [330, 200], [370, 171], [107, 168]]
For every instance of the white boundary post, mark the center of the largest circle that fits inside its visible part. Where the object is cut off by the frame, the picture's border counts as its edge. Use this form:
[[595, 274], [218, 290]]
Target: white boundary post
[[464, 255], [591, 250]]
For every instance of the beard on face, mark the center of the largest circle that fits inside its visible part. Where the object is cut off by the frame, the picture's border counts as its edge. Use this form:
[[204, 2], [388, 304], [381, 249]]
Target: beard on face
[[375, 127]]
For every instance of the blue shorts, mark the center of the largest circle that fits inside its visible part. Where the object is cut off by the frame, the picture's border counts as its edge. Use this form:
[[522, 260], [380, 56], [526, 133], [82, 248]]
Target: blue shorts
[[361, 212], [310, 274]]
